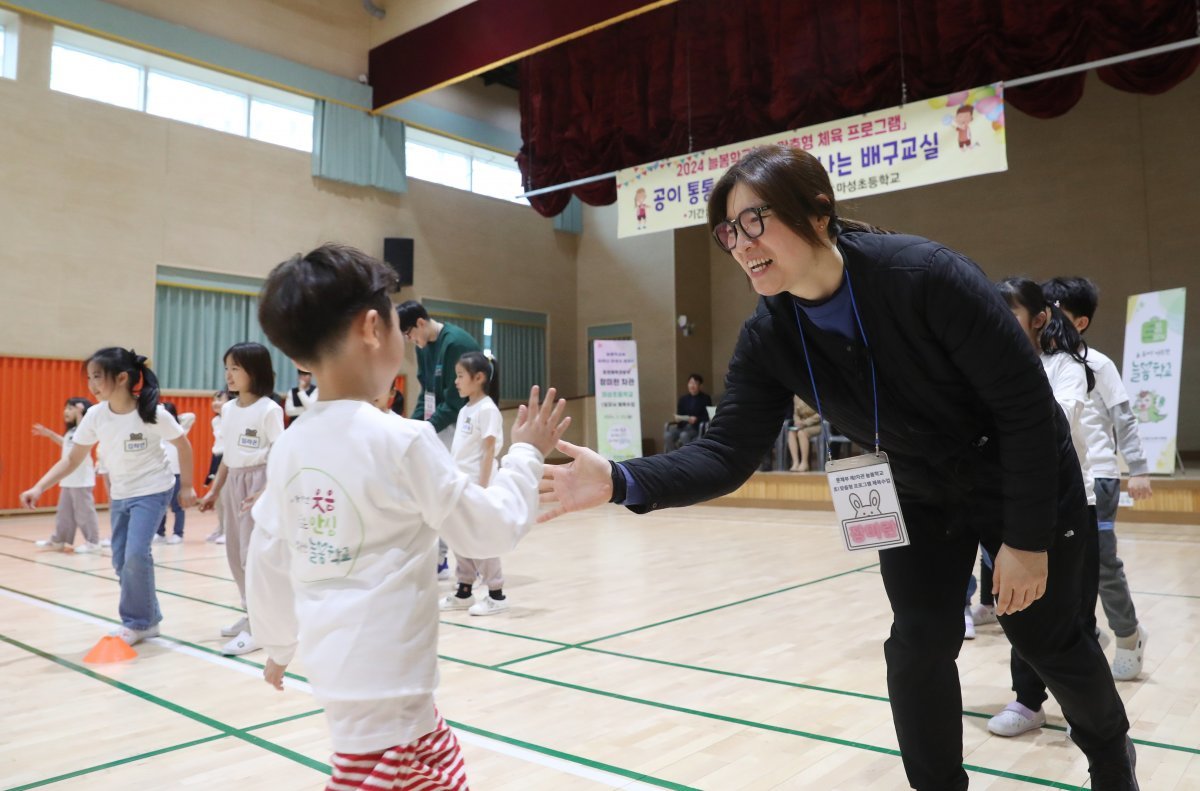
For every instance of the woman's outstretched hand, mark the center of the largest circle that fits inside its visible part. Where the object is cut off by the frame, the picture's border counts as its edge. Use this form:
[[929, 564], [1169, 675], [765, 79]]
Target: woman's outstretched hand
[[583, 483]]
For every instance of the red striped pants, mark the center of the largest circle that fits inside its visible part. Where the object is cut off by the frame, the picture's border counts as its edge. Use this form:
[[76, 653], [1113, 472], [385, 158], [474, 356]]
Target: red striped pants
[[431, 763]]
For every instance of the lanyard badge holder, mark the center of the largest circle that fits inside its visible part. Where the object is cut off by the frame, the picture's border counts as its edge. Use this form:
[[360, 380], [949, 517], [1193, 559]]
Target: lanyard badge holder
[[862, 487]]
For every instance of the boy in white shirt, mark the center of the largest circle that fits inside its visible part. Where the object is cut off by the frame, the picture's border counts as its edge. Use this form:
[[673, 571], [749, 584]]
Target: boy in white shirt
[[346, 527], [1108, 423]]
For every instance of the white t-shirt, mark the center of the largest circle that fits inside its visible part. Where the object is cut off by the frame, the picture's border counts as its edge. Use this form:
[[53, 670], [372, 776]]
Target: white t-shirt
[[218, 441], [133, 453], [249, 431], [341, 567], [185, 422], [1097, 420], [477, 422], [1068, 380], [83, 476]]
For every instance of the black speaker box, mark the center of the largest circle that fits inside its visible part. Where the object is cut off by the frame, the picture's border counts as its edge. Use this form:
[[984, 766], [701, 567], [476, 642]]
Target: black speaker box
[[398, 253]]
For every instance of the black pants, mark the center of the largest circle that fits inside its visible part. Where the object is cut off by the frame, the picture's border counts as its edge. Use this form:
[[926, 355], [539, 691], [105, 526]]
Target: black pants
[[1030, 689], [925, 584]]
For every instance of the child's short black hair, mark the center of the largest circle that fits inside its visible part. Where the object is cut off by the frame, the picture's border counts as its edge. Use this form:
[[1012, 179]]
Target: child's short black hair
[[409, 312], [255, 360], [1076, 295], [309, 300], [699, 379]]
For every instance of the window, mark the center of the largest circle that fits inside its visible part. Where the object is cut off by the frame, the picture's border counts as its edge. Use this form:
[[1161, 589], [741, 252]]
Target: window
[[439, 159], [96, 77], [283, 126], [8, 45], [195, 103], [98, 69]]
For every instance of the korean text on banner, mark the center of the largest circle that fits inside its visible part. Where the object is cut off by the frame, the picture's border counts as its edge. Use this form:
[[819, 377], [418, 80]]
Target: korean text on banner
[[942, 139], [1153, 358], [618, 412]]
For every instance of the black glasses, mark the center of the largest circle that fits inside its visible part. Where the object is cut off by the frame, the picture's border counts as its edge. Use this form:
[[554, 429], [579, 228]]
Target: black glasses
[[749, 220]]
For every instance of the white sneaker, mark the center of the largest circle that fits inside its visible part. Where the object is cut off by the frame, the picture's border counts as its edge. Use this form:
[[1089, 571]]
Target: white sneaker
[[1127, 664], [452, 602], [1015, 720], [106, 542], [236, 628], [983, 613], [135, 636], [219, 539], [159, 540], [86, 548], [968, 625], [49, 543], [174, 539], [213, 536], [488, 606], [244, 643]]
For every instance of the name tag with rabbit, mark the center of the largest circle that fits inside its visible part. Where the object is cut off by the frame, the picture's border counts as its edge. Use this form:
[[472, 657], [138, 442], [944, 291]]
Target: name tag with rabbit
[[865, 499]]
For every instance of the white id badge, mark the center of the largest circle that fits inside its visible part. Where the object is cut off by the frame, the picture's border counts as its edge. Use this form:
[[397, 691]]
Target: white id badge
[[430, 406], [865, 499]]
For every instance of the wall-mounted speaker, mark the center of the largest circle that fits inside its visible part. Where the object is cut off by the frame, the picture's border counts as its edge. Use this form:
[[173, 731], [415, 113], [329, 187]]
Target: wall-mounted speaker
[[398, 253]]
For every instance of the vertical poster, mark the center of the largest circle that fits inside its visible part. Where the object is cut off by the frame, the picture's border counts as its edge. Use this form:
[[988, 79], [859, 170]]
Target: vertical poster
[[1153, 357], [618, 413]]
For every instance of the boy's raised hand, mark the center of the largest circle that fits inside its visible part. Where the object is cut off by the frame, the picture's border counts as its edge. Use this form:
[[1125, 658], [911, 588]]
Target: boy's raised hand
[[541, 425]]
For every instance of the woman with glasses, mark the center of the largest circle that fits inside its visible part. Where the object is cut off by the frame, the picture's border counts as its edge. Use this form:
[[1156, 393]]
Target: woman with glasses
[[905, 345]]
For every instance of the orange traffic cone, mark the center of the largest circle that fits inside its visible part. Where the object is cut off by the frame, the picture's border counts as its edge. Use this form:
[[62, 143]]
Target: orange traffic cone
[[110, 649]]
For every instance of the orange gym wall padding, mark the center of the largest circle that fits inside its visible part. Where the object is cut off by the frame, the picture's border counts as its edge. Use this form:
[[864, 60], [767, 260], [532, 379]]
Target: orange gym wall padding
[[33, 390]]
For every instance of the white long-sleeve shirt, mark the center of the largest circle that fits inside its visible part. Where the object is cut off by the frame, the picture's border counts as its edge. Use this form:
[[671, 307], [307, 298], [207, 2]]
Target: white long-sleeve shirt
[[1108, 416], [342, 562], [1068, 380]]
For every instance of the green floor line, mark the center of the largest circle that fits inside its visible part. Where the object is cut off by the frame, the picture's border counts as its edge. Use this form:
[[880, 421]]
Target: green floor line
[[458, 625], [751, 723], [177, 641], [575, 759], [724, 606], [245, 735], [195, 716], [196, 559], [18, 538], [119, 762], [533, 656], [160, 751], [106, 577]]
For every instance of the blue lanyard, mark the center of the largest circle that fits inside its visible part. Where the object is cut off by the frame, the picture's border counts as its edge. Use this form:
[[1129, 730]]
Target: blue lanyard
[[812, 378]]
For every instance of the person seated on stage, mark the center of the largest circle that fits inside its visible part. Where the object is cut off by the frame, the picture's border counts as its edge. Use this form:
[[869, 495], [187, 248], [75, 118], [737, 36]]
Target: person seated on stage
[[806, 424], [691, 415]]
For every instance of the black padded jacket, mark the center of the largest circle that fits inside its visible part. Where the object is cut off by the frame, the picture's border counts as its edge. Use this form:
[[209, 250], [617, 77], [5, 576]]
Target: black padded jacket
[[966, 414]]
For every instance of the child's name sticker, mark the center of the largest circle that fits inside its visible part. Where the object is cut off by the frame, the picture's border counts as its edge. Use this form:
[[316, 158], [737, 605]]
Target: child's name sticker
[[865, 499], [249, 439], [136, 443], [430, 406]]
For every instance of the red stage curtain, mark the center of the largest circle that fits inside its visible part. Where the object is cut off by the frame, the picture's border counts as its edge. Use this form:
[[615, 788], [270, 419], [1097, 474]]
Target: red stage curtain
[[620, 96]]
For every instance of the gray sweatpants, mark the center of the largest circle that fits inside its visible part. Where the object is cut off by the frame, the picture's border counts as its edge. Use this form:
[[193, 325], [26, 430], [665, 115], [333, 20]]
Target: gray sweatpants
[[240, 483], [488, 569], [76, 509], [1114, 588]]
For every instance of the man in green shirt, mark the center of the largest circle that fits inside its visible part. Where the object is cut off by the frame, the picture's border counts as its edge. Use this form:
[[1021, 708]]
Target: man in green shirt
[[439, 345]]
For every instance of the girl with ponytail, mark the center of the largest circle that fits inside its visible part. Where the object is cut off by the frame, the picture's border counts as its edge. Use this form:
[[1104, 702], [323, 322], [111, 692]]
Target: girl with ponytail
[[1064, 357], [130, 427]]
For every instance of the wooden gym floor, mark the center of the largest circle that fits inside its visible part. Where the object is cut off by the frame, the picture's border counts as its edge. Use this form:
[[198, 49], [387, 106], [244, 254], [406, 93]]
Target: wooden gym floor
[[706, 648]]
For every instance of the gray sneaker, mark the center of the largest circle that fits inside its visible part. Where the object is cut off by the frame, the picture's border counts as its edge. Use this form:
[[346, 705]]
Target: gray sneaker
[[135, 636]]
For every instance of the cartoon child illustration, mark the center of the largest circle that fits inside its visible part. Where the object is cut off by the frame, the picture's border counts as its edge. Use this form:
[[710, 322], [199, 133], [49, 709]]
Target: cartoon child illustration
[[869, 509], [639, 200], [1147, 405], [962, 122]]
